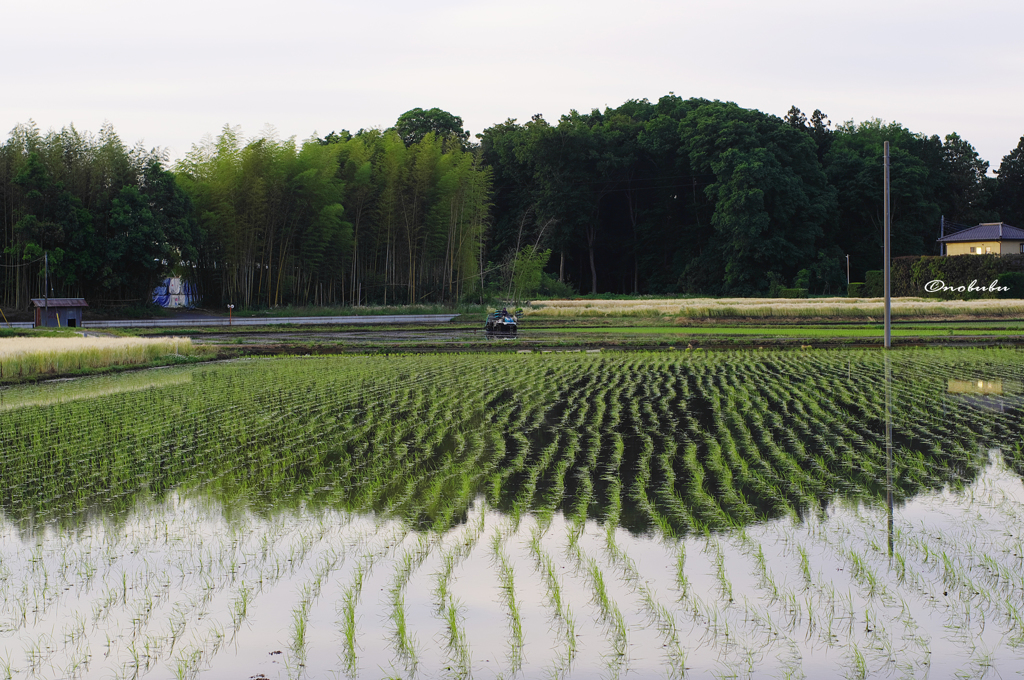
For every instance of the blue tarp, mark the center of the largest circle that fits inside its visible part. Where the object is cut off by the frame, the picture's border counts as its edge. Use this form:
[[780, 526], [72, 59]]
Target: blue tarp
[[174, 293]]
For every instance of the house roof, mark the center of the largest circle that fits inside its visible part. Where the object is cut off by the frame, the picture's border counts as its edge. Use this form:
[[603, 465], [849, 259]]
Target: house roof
[[989, 231], [60, 302]]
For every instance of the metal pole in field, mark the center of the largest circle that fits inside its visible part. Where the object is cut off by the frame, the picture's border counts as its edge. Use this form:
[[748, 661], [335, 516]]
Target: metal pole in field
[[847, 272], [887, 256], [46, 287]]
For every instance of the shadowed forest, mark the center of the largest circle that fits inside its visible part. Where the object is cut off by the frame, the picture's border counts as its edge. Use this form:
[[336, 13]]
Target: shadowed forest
[[678, 196]]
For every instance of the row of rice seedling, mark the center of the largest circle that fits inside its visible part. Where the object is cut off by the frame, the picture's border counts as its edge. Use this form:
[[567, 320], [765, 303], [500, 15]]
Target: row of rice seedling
[[688, 442], [310, 424]]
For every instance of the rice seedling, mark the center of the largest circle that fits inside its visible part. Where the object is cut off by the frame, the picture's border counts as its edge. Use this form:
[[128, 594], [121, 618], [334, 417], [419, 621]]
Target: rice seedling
[[404, 641], [546, 566], [506, 581], [859, 667], [805, 565], [457, 644], [240, 607]]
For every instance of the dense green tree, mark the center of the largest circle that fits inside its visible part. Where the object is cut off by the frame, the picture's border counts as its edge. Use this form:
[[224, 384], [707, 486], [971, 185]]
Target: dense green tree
[[1010, 190], [854, 168], [965, 193], [771, 198], [600, 189], [415, 124], [54, 220], [112, 220], [572, 181], [818, 127], [136, 252]]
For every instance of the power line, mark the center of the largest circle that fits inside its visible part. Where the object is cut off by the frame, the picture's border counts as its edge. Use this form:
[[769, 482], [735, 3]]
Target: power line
[[638, 180], [26, 264]]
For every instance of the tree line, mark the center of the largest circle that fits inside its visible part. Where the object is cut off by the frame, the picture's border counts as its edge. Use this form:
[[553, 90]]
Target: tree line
[[705, 197], [345, 219], [109, 218], [674, 196]]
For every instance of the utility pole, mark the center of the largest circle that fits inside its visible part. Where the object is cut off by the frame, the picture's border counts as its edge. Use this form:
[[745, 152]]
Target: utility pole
[[46, 287], [887, 256], [847, 273]]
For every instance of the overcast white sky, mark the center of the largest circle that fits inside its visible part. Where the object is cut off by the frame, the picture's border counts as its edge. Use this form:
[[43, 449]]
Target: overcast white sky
[[167, 73]]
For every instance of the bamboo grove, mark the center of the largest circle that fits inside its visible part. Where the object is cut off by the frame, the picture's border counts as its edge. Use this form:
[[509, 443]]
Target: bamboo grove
[[257, 223], [340, 220]]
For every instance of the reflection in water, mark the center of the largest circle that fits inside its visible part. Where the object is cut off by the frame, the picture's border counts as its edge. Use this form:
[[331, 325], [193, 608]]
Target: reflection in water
[[988, 395], [188, 587], [888, 446], [975, 386]]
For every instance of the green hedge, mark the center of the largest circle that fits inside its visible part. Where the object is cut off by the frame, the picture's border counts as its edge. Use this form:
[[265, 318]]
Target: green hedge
[[1015, 282], [855, 289], [874, 283], [793, 292], [911, 274]]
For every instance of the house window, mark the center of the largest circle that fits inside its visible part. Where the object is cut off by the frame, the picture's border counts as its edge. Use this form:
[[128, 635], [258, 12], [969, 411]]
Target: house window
[[971, 250], [988, 249]]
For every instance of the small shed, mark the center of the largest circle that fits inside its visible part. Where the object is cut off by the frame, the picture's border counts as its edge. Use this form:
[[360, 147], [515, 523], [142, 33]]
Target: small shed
[[990, 238], [59, 312]]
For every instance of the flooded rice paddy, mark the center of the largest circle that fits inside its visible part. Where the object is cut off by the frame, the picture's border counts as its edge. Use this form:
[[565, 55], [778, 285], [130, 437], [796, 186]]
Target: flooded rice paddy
[[548, 515]]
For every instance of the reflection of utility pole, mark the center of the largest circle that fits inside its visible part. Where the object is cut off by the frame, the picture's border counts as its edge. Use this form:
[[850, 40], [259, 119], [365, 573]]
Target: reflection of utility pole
[[888, 444], [887, 255]]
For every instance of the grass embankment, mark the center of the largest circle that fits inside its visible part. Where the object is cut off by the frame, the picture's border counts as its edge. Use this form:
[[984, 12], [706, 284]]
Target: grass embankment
[[797, 331], [363, 310], [739, 321], [32, 357], [772, 308]]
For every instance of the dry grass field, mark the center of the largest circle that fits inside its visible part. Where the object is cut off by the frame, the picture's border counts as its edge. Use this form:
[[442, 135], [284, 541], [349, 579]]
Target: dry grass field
[[768, 308], [27, 356]]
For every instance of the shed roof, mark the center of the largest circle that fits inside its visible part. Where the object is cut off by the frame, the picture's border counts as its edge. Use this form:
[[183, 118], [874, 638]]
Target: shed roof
[[989, 231], [60, 302]]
